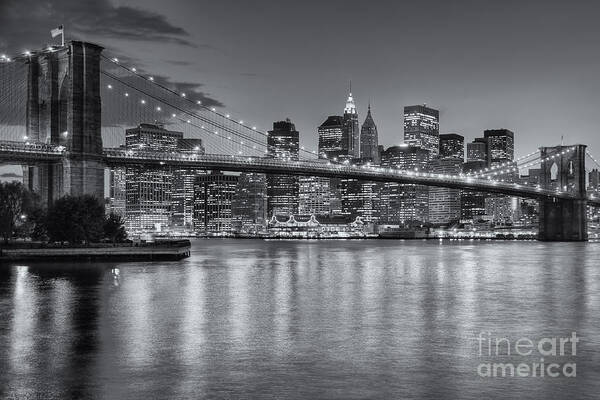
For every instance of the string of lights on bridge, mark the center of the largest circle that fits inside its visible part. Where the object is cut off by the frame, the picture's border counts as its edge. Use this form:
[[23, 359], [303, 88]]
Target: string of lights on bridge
[[158, 109], [490, 170], [198, 103], [494, 170], [483, 173]]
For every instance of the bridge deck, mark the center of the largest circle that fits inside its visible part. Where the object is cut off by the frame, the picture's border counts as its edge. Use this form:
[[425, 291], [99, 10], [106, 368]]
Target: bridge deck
[[33, 153], [322, 168]]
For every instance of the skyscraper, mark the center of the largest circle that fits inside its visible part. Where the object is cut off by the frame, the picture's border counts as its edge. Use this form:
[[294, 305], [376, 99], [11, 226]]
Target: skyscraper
[[472, 204], [213, 196], [368, 140], [118, 191], [404, 204], [351, 133], [422, 128], [331, 133], [314, 195], [183, 187], [444, 203], [149, 192], [477, 150], [357, 199], [249, 204], [452, 145], [500, 145], [283, 142], [500, 149]]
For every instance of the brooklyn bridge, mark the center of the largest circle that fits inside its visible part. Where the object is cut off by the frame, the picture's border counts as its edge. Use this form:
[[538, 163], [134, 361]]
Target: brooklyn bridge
[[63, 110]]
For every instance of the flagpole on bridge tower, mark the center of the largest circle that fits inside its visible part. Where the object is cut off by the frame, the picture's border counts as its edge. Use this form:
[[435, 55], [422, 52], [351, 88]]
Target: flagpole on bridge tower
[[59, 31]]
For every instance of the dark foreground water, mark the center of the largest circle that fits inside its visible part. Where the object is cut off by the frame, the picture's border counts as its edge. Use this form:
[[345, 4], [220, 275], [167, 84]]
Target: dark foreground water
[[299, 319]]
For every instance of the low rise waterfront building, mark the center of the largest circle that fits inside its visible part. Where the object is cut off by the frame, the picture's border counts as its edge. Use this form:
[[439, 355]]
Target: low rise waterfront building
[[310, 226]]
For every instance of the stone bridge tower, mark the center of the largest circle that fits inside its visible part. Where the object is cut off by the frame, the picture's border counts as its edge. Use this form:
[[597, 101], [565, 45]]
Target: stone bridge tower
[[64, 108], [561, 219]]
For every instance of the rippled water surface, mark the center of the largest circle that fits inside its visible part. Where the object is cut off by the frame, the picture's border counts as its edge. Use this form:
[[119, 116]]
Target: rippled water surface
[[299, 319]]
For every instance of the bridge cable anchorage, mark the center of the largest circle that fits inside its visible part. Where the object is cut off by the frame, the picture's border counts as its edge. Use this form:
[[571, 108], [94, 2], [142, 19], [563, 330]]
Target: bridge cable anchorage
[[191, 114], [184, 97]]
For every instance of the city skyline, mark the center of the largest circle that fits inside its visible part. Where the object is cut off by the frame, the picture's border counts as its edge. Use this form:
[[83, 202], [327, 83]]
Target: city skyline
[[71, 137], [476, 75], [299, 199]]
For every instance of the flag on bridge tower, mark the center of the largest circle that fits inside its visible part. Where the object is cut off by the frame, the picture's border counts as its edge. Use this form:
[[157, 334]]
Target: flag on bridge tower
[[60, 30]]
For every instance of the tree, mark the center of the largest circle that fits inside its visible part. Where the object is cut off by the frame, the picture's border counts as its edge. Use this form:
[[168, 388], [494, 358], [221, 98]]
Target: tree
[[37, 220], [15, 202], [75, 219], [114, 228]]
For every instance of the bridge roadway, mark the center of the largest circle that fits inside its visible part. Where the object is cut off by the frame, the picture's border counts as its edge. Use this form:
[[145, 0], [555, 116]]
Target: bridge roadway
[[31, 154], [122, 157]]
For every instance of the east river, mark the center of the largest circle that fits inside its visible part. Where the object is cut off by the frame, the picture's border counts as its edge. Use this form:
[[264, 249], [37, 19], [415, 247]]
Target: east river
[[244, 319]]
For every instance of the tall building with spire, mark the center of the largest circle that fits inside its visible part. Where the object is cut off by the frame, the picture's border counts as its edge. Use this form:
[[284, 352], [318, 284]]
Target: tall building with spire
[[351, 133], [368, 139]]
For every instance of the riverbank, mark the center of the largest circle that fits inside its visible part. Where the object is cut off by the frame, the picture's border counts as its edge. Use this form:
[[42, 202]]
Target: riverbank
[[170, 250]]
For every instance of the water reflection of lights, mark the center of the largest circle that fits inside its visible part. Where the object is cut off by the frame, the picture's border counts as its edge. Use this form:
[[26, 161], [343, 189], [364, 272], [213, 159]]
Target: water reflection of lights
[[116, 273]]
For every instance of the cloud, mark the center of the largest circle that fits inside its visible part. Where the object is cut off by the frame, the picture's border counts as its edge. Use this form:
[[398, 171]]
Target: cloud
[[26, 22], [179, 62]]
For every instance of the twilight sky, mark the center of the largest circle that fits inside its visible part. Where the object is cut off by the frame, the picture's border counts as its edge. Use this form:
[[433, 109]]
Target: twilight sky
[[529, 66]]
